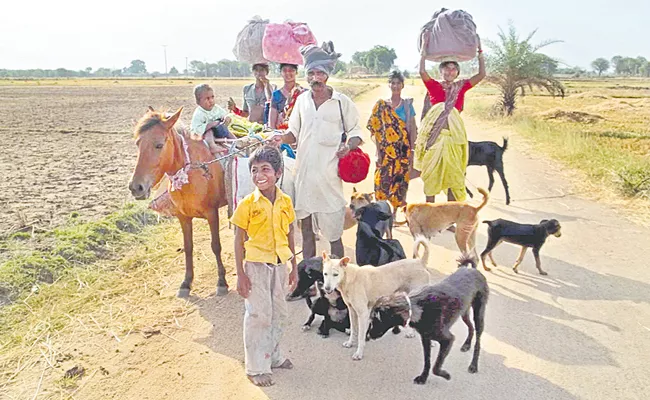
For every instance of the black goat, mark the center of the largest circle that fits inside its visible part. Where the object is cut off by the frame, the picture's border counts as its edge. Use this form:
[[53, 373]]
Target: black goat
[[489, 154]]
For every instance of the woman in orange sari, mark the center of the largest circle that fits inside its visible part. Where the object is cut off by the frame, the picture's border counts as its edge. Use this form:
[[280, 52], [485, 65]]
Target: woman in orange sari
[[393, 129]]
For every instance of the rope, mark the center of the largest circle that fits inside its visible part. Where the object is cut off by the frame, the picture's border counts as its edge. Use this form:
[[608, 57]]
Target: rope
[[233, 151]]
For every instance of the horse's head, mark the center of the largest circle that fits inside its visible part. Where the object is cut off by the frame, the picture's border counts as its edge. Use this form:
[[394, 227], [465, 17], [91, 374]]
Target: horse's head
[[157, 152]]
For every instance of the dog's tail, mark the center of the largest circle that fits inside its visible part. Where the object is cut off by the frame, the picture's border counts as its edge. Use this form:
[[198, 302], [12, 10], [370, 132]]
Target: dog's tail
[[486, 197], [505, 144], [421, 240], [466, 260], [400, 223], [488, 222]]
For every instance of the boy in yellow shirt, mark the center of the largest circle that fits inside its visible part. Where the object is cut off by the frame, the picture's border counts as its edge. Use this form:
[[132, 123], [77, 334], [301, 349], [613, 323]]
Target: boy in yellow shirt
[[263, 244]]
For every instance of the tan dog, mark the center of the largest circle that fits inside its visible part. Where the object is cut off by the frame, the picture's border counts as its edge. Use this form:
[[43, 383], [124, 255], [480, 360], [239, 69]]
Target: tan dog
[[357, 200], [360, 287], [429, 219]]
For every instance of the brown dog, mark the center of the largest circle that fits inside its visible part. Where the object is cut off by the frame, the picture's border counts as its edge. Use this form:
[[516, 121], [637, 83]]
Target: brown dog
[[429, 219], [359, 200]]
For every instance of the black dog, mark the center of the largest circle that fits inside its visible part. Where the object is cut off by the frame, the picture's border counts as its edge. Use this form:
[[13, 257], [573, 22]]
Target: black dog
[[371, 248], [310, 271], [489, 154], [332, 308], [432, 311], [525, 235]]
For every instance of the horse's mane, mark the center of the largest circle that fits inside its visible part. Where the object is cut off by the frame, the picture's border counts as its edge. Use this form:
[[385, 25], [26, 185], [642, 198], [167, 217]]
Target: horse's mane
[[153, 118]]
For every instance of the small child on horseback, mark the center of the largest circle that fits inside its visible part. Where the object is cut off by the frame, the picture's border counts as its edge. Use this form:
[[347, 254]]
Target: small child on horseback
[[209, 121], [264, 243]]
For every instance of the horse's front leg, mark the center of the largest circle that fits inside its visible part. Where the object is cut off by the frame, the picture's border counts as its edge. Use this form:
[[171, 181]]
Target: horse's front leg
[[188, 247], [222, 285]]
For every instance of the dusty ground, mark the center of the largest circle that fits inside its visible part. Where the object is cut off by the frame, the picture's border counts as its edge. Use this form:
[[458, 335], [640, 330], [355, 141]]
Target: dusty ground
[[69, 148], [580, 332]]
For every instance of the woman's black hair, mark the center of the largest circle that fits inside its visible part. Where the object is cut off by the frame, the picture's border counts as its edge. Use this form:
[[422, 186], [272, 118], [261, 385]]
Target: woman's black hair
[[396, 74], [454, 63], [260, 65], [294, 66]]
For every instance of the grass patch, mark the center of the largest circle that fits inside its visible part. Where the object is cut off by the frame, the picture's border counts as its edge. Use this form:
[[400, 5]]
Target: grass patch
[[128, 288], [68, 249], [616, 159]]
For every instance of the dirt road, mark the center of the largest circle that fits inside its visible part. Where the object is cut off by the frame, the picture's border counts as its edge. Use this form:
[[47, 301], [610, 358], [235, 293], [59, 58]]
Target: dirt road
[[583, 331]]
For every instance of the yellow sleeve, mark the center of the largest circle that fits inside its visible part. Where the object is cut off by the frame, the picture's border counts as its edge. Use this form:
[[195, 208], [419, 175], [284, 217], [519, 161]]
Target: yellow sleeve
[[289, 206], [241, 216]]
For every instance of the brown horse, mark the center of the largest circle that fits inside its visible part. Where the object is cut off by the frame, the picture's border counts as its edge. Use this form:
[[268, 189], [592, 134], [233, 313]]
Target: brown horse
[[195, 192]]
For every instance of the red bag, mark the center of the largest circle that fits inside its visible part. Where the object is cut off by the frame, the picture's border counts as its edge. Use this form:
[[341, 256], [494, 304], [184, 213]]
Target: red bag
[[354, 167]]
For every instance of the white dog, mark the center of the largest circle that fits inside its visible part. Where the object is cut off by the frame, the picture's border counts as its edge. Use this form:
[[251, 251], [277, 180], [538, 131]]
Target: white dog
[[360, 287]]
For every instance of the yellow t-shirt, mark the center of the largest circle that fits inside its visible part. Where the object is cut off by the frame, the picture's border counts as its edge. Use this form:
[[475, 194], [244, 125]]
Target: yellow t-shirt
[[267, 226]]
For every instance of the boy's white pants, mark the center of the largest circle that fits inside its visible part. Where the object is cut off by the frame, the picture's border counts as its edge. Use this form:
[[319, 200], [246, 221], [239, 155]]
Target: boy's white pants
[[266, 313]]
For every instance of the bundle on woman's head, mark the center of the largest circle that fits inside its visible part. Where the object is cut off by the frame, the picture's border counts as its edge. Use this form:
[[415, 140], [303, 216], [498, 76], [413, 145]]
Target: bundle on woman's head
[[322, 58]]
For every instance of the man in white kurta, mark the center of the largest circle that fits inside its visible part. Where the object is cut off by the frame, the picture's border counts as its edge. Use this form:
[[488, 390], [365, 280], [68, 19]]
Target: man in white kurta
[[316, 125]]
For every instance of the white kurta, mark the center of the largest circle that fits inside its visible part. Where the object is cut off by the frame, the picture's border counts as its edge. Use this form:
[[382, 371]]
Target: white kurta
[[319, 189]]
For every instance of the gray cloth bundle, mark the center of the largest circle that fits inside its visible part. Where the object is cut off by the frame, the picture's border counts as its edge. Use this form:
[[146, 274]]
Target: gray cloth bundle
[[322, 58], [248, 45]]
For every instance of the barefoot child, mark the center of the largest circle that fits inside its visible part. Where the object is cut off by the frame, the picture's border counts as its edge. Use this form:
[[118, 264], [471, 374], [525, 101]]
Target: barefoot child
[[209, 121], [263, 244]]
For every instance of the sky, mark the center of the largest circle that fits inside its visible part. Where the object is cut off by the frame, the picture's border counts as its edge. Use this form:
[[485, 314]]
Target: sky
[[76, 34]]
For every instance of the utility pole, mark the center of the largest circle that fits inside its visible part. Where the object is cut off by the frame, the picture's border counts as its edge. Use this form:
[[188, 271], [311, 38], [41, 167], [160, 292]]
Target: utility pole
[[187, 72], [165, 51]]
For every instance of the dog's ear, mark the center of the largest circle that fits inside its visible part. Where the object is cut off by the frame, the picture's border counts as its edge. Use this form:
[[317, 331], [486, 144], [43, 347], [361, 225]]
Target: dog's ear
[[325, 258], [383, 216], [543, 221], [354, 189], [344, 261], [368, 197]]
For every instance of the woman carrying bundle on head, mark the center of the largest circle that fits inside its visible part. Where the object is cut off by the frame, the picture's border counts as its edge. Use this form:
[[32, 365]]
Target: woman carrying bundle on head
[[284, 98], [441, 149], [393, 129]]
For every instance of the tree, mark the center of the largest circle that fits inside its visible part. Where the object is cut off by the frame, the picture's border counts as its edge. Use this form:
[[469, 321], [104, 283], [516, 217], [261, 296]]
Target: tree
[[645, 69], [548, 64], [516, 65], [173, 71], [197, 68], [137, 67], [617, 63], [639, 64], [103, 72], [379, 59], [600, 65], [341, 68]]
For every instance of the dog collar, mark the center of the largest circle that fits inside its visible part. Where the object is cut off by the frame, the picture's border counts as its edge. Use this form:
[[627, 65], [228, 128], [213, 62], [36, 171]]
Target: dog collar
[[408, 300]]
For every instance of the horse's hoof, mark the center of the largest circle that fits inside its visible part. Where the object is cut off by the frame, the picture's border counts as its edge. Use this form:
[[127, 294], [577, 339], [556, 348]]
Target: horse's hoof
[[222, 290], [183, 293]]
